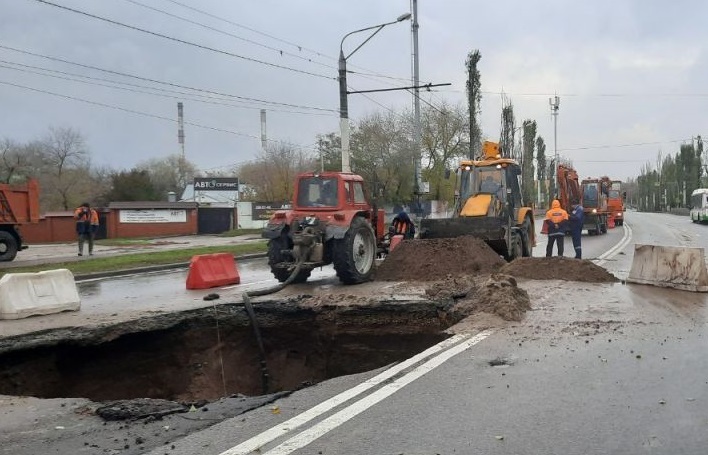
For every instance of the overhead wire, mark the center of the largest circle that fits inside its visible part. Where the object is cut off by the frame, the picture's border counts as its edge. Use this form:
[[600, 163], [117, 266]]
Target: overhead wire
[[143, 114], [185, 96], [300, 47], [171, 84], [183, 41], [224, 32]]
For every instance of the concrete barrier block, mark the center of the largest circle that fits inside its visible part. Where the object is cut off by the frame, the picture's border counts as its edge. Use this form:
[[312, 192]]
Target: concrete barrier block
[[32, 294], [669, 266]]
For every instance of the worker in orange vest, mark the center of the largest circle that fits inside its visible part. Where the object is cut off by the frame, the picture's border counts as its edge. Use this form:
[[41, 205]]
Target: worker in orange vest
[[556, 219], [86, 226], [402, 225]]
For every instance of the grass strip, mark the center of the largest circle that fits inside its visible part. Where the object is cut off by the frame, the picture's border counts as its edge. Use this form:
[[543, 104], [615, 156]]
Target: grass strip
[[95, 264]]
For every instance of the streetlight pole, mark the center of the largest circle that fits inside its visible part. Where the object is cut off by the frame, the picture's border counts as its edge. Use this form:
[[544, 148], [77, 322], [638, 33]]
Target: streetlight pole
[[416, 111], [555, 103], [343, 102]]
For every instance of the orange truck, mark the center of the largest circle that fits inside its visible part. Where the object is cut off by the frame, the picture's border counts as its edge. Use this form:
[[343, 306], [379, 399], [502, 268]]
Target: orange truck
[[19, 204], [615, 202], [592, 193]]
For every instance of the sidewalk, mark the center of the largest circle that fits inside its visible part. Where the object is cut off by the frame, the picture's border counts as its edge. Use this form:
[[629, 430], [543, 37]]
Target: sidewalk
[[40, 254]]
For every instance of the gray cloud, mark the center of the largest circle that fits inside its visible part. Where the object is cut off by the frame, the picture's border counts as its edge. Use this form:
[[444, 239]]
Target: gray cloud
[[584, 51]]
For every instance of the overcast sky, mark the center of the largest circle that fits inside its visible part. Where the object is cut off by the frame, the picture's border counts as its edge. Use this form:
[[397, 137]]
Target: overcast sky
[[628, 72]]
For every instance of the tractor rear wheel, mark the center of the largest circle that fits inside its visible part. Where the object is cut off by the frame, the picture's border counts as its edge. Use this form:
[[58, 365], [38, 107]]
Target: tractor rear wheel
[[8, 246], [354, 254], [276, 258]]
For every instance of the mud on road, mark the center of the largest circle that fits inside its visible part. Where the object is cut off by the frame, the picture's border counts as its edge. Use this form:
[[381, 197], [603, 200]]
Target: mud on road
[[195, 368]]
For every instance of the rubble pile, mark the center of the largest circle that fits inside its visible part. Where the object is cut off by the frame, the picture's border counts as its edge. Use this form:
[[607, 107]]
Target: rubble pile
[[499, 295]]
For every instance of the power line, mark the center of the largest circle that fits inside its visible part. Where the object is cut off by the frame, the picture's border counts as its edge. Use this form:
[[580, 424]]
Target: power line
[[136, 112], [300, 47], [636, 144], [580, 95], [223, 32], [171, 84], [133, 90], [213, 16], [182, 41]]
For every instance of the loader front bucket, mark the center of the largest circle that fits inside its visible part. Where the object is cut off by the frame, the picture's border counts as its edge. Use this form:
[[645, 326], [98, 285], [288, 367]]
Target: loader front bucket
[[485, 228], [491, 230], [669, 266]]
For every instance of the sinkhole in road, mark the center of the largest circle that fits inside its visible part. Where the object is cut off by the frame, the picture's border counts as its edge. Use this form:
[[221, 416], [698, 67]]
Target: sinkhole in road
[[188, 358]]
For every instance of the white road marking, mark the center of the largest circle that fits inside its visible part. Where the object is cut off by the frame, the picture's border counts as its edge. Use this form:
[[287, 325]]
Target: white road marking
[[292, 424], [337, 419], [609, 254]]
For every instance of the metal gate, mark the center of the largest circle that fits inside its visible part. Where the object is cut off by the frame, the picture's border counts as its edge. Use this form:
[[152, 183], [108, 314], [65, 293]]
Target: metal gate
[[214, 220]]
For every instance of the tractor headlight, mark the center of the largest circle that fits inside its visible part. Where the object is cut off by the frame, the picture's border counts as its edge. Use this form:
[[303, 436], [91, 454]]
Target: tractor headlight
[[594, 210], [619, 213]]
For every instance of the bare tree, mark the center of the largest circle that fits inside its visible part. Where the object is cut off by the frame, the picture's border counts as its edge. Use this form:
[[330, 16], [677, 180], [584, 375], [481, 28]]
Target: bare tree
[[445, 140], [271, 176], [65, 148], [382, 153], [67, 168], [169, 174], [16, 161]]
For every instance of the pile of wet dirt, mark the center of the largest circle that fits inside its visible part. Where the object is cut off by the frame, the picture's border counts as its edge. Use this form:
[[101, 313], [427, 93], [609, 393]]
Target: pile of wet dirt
[[498, 295], [455, 287], [435, 259], [558, 268]]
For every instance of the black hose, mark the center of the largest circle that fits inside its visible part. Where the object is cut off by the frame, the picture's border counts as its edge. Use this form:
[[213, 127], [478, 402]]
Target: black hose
[[252, 315]]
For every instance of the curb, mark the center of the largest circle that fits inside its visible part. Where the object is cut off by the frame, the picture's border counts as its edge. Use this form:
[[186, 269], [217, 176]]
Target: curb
[[155, 268]]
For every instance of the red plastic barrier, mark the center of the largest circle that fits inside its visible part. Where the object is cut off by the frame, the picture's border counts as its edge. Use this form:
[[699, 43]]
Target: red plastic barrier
[[212, 270]]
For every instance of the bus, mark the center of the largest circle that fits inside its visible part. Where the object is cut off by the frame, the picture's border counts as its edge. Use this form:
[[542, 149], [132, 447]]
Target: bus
[[699, 205]]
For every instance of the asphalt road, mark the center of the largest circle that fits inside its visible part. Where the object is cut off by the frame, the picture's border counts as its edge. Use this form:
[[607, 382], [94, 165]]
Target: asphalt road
[[593, 369]]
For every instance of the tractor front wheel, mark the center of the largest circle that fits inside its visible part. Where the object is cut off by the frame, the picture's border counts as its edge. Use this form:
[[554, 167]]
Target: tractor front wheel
[[276, 259], [354, 254]]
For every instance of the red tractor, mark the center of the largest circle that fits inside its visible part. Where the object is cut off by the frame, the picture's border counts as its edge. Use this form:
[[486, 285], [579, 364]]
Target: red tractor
[[331, 222]]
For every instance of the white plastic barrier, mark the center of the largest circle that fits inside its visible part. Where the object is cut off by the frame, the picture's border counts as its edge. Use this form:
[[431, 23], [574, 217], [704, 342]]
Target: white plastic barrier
[[669, 266], [30, 294]]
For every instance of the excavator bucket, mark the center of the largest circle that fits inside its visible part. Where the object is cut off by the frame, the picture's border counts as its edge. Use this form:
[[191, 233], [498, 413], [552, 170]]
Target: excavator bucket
[[491, 230], [669, 266], [486, 228]]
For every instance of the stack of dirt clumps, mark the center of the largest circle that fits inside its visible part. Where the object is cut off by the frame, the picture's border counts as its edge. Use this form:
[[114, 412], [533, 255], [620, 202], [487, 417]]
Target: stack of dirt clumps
[[435, 259], [558, 268], [498, 295]]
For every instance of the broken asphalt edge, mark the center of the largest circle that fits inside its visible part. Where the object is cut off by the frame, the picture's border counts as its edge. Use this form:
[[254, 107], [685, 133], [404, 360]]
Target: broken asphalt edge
[[155, 268]]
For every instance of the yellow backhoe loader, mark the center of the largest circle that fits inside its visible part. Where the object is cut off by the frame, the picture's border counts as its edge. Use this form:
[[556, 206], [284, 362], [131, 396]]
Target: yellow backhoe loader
[[488, 206]]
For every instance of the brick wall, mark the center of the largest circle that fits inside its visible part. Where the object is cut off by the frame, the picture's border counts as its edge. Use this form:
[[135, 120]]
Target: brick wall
[[52, 228], [61, 227]]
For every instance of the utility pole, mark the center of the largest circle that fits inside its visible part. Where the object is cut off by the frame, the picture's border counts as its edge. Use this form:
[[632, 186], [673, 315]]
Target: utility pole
[[180, 128], [344, 110], [264, 137], [416, 110], [554, 103]]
